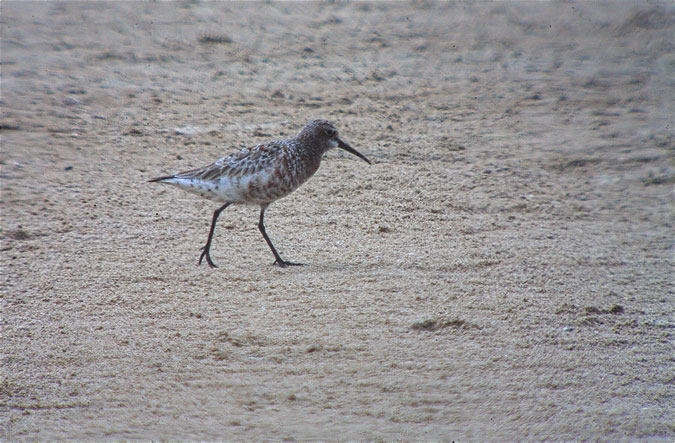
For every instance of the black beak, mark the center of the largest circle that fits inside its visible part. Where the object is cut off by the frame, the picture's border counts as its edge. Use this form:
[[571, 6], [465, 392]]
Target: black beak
[[346, 147]]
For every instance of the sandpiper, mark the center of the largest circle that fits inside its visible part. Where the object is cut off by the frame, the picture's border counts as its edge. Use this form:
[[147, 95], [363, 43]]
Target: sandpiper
[[261, 175]]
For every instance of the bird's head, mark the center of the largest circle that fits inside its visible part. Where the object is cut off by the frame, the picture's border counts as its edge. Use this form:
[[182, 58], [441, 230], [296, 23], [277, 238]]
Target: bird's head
[[323, 134]]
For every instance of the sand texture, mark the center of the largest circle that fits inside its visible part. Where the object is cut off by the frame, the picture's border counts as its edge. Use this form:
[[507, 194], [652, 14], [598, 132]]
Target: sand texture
[[503, 269]]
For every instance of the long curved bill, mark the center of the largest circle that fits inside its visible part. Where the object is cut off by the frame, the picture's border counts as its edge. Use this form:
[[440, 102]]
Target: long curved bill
[[346, 147]]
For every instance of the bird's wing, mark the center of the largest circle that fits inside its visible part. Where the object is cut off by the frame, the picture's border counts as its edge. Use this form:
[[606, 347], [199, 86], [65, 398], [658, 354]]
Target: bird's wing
[[245, 162]]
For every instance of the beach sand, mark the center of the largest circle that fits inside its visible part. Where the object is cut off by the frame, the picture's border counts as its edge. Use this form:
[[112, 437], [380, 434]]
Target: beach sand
[[503, 270]]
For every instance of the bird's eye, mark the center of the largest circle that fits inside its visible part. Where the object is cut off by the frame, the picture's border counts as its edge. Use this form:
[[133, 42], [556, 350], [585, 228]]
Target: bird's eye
[[330, 132]]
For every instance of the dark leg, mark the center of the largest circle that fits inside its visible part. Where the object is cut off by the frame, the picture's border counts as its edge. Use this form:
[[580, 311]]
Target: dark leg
[[279, 261], [205, 249]]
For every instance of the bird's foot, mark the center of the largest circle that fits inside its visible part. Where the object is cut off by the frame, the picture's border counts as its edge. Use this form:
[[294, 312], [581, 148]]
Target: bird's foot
[[205, 253], [283, 263]]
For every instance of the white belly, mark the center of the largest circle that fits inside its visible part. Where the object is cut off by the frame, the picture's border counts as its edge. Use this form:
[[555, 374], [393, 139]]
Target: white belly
[[258, 188]]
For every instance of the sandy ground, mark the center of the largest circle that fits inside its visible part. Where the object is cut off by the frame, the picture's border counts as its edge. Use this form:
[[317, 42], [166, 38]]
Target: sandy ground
[[503, 270]]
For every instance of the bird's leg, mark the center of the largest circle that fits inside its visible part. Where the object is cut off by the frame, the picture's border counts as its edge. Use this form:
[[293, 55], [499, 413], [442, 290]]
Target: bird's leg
[[207, 247], [279, 261]]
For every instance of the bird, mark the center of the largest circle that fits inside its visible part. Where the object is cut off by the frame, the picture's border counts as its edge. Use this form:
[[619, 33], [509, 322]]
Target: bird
[[260, 175]]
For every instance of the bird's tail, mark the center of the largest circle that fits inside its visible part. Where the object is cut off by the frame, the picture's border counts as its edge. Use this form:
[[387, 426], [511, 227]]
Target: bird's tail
[[161, 179]]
